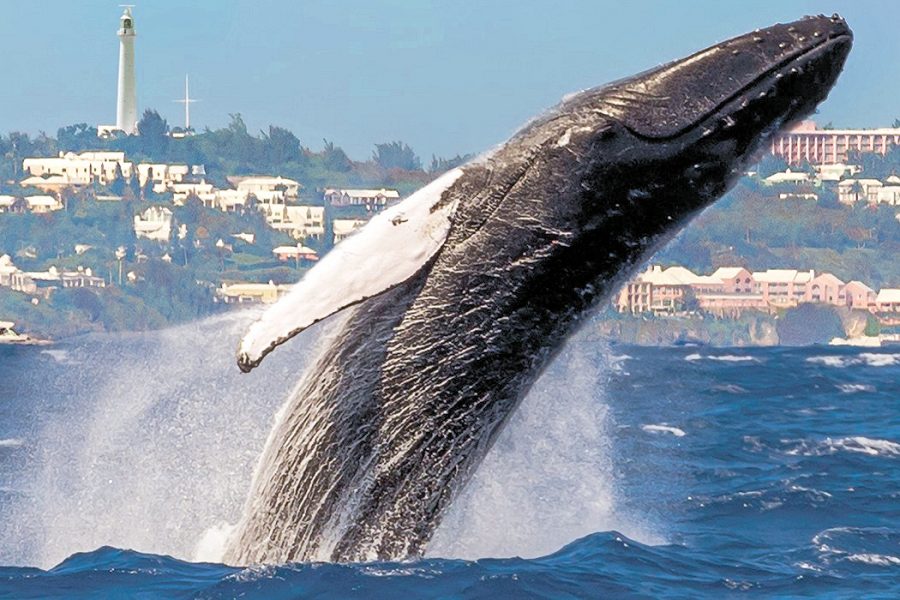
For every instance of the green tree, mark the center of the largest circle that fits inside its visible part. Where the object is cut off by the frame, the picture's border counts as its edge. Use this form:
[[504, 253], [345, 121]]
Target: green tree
[[154, 131], [396, 155]]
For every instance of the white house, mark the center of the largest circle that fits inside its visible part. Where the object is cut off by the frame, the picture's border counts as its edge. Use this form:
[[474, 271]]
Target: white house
[[301, 222], [43, 204], [161, 174], [268, 189], [155, 223], [851, 191], [343, 228], [788, 176], [78, 169], [371, 199]]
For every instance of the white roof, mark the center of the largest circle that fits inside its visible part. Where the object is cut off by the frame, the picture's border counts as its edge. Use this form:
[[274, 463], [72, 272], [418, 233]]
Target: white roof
[[359, 193], [862, 182], [787, 176], [727, 272], [7, 200], [782, 276], [345, 226], [888, 295], [267, 180], [42, 201], [893, 179], [671, 276]]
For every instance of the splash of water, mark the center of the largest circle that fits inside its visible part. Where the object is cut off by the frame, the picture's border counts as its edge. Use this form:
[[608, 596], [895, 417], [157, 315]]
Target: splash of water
[[150, 440], [549, 477]]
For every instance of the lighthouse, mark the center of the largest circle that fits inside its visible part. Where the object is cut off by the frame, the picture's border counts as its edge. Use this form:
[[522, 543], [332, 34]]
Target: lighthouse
[[126, 101]]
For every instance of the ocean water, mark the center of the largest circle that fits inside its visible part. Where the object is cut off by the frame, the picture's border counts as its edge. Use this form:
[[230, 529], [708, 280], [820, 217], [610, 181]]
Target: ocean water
[[627, 473]]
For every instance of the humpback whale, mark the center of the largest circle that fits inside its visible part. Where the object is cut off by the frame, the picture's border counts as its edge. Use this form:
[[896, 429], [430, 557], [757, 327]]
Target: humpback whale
[[455, 299]]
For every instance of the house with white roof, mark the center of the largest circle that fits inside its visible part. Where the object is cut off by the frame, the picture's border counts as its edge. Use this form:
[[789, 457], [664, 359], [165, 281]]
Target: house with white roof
[[162, 175], [373, 200], [302, 222], [155, 223], [888, 300], [851, 191], [782, 287], [70, 169], [267, 189], [789, 177], [43, 204], [343, 228]]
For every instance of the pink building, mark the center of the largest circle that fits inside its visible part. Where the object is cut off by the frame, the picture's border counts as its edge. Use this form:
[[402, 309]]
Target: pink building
[[859, 295], [805, 142], [825, 288], [782, 287]]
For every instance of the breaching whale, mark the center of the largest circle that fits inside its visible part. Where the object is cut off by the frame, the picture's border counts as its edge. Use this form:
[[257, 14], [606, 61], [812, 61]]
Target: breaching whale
[[460, 295]]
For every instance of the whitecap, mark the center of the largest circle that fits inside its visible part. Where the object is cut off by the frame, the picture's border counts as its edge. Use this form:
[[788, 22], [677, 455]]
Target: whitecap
[[865, 445], [663, 428], [881, 560], [731, 358], [12, 443], [880, 360], [829, 361], [852, 388]]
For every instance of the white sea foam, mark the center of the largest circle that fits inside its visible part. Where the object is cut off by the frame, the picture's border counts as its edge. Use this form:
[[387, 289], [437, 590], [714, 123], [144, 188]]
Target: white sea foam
[[728, 358], [855, 444], [212, 543], [152, 452], [829, 361], [880, 560], [12, 443], [870, 359], [549, 477], [663, 428], [853, 388]]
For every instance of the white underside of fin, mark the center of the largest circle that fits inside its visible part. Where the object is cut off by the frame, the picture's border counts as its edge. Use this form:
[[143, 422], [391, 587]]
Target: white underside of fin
[[390, 249]]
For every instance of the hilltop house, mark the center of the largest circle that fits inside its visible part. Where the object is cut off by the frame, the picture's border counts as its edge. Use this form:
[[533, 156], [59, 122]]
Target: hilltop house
[[343, 228], [372, 200], [155, 223], [70, 169]]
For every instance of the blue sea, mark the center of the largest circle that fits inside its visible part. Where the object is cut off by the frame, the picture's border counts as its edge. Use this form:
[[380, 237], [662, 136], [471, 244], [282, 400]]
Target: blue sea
[[631, 472]]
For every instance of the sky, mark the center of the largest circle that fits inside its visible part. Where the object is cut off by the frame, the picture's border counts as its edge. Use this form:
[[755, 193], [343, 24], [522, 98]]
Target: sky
[[446, 77]]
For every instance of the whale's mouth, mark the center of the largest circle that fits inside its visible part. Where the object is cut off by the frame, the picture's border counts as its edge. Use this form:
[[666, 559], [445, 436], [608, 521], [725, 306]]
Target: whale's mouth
[[684, 95]]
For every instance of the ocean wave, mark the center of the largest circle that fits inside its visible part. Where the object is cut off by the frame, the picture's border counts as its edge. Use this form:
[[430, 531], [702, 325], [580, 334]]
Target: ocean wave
[[856, 444], [663, 428], [869, 359], [12, 443], [880, 560], [729, 358], [853, 388]]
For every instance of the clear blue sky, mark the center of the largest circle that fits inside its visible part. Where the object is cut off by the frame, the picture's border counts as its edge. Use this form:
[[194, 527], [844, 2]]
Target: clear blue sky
[[443, 76]]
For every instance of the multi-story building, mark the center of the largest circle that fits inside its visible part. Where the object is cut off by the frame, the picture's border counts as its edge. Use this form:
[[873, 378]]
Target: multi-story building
[[805, 142]]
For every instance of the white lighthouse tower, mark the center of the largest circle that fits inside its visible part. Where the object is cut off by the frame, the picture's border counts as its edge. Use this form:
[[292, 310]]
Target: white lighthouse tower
[[126, 102]]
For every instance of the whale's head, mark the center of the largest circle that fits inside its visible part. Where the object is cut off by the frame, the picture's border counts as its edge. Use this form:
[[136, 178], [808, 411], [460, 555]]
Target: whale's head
[[589, 188], [676, 137]]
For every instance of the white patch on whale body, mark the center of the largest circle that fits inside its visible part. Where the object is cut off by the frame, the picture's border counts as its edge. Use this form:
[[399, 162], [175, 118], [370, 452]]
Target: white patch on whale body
[[390, 249]]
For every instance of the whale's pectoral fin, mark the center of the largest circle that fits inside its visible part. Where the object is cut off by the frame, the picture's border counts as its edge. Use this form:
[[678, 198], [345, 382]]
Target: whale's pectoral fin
[[389, 250]]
